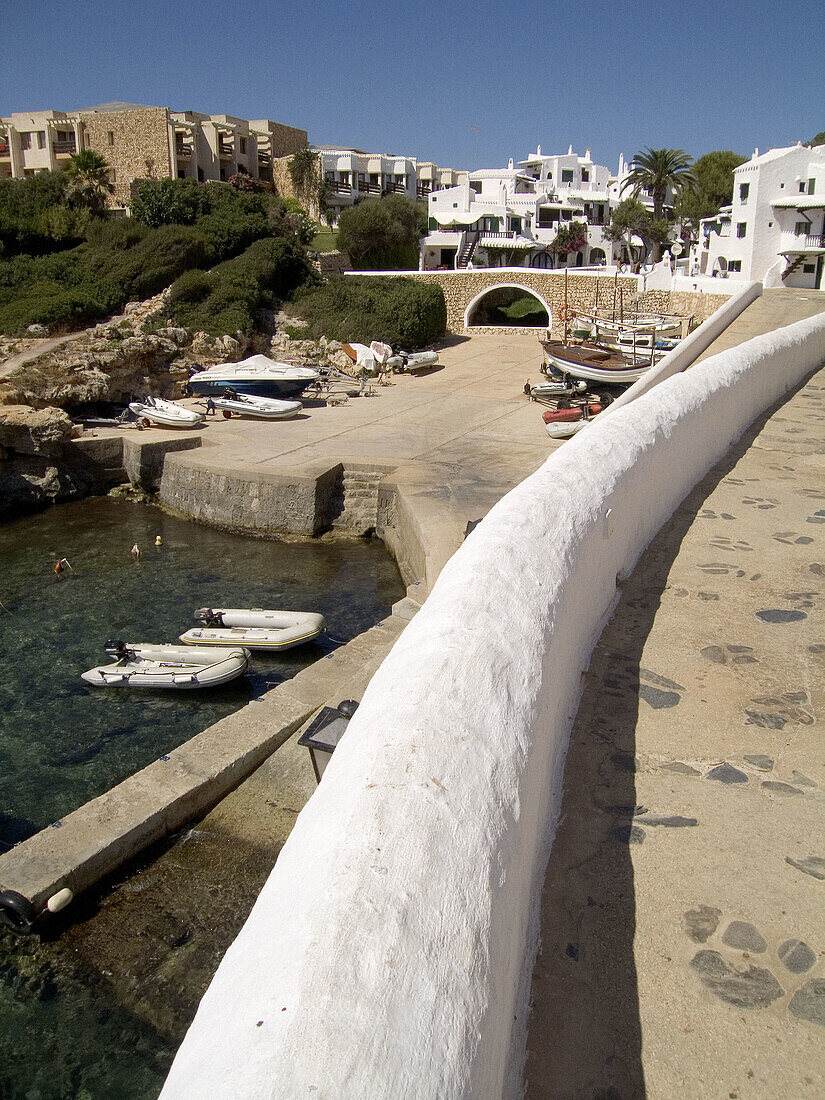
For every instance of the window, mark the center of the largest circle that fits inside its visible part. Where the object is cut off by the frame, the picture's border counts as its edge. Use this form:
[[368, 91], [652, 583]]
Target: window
[[110, 137], [809, 269], [567, 175], [41, 139], [800, 229], [243, 146], [734, 265], [811, 186], [181, 174], [801, 187], [201, 176], [26, 140], [585, 176], [475, 186], [741, 229], [744, 189]]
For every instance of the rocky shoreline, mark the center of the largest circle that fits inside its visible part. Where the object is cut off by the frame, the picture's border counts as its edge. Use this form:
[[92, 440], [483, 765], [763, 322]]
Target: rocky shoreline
[[106, 366]]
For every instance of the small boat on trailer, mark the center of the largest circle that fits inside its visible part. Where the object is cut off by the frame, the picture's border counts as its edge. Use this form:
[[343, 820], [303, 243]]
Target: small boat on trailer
[[254, 628], [262, 408], [180, 667], [164, 414]]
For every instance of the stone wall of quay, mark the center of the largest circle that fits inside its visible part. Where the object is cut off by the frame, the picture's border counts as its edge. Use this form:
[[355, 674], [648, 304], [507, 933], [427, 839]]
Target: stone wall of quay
[[249, 502], [134, 142]]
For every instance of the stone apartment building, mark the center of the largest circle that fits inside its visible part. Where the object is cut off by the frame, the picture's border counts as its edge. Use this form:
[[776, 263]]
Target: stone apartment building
[[140, 142]]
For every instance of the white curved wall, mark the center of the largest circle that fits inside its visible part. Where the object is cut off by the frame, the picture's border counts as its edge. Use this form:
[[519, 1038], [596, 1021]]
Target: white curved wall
[[390, 952]]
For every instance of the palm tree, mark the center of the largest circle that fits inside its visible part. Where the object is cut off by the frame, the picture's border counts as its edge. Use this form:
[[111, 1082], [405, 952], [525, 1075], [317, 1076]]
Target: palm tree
[[655, 171], [89, 181]]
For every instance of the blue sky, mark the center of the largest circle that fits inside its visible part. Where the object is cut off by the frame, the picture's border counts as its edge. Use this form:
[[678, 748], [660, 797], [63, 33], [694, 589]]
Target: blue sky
[[416, 78]]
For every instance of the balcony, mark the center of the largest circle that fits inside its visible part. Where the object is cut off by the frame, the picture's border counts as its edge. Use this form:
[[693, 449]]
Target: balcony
[[365, 188], [64, 148], [802, 243], [264, 158], [225, 151], [395, 189], [336, 187], [4, 149], [183, 152]]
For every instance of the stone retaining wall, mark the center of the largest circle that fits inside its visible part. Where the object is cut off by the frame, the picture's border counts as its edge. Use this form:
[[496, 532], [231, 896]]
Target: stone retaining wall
[[584, 290]]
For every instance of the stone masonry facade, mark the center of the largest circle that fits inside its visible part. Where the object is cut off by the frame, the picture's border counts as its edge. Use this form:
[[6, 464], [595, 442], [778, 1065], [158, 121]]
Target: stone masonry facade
[[583, 293], [134, 142]]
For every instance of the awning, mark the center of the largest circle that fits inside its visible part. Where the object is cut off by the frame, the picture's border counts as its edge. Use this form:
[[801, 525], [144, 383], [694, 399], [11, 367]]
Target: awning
[[801, 202], [456, 217], [518, 243]]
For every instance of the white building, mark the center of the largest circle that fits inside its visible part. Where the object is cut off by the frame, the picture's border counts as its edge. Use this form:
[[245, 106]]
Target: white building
[[353, 175], [774, 229], [512, 215]]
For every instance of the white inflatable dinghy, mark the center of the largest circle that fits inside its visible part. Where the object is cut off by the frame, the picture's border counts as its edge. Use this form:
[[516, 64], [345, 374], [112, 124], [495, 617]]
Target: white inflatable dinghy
[[407, 362], [139, 664], [164, 414], [247, 404], [254, 628]]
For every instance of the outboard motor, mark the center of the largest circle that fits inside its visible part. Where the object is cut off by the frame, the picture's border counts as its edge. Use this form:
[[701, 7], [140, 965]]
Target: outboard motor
[[208, 617], [117, 649]]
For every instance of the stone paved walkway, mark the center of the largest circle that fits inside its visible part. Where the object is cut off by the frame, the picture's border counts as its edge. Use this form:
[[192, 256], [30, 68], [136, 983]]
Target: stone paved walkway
[[683, 915]]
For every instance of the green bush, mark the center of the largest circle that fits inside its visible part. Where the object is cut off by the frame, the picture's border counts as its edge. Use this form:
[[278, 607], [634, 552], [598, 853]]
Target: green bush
[[227, 298], [192, 286], [401, 312], [382, 234], [254, 239], [164, 202]]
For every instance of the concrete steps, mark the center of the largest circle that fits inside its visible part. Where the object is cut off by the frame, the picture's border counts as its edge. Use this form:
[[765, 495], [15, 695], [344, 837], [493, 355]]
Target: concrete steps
[[355, 505]]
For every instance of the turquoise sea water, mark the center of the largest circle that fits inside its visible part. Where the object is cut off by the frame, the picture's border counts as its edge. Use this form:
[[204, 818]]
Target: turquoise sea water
[[63, 742]]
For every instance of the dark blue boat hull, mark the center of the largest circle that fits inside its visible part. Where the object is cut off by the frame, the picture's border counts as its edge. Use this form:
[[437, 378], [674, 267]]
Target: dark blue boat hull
[[257, 388]]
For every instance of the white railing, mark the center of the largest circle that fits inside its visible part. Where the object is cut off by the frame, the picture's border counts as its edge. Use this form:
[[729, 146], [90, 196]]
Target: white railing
[[389, 954]]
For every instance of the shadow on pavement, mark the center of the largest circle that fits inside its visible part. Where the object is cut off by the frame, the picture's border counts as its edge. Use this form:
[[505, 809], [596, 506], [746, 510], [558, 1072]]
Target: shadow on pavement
[[585, 1033]]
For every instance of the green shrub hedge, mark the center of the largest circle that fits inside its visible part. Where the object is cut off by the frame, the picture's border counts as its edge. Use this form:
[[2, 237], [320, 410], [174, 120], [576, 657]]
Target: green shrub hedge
[[125, 259], [228, 298], [401, 312]]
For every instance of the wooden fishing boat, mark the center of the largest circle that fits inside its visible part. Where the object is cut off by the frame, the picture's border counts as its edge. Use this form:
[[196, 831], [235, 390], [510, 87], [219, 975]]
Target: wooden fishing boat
[[592, 363]]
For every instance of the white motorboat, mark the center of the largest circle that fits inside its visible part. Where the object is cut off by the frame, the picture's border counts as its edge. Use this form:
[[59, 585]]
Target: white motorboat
[[407, 362], [254, 628], [164, 414], [262, 408], [256, 375], [140, 664]]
